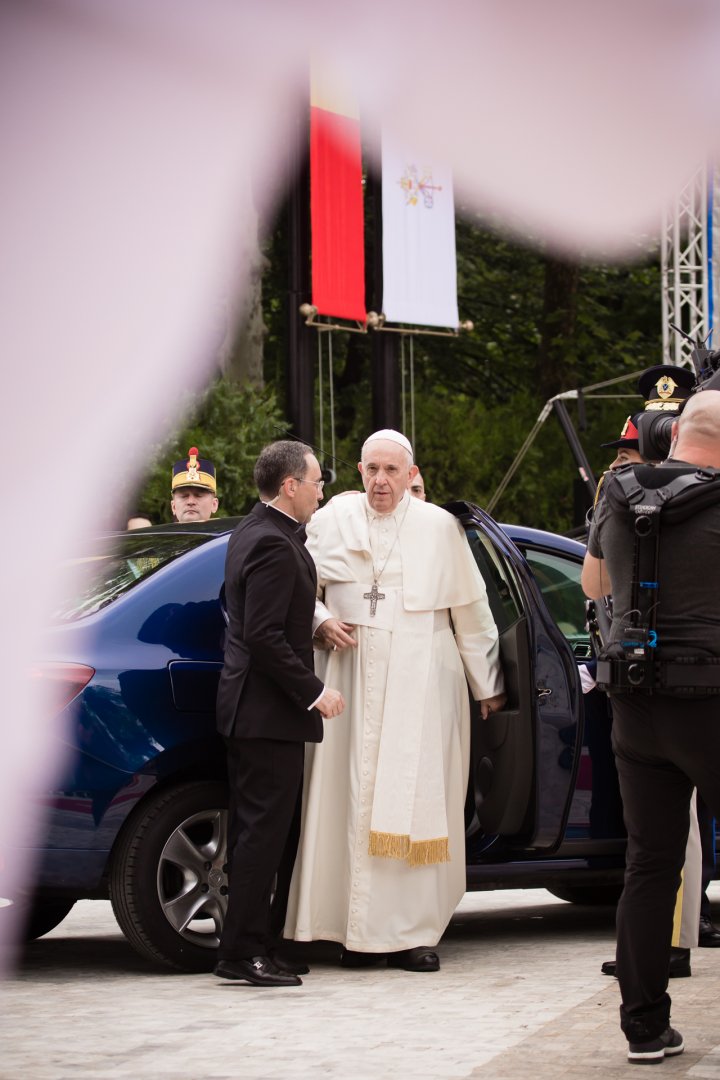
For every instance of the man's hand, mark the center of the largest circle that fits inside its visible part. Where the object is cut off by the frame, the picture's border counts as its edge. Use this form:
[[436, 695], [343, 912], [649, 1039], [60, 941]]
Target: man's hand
[[492, 704], [331, 703], [334, 634]]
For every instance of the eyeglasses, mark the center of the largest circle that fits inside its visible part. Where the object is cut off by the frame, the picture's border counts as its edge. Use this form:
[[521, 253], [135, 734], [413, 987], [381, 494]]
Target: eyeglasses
[[319, 484]]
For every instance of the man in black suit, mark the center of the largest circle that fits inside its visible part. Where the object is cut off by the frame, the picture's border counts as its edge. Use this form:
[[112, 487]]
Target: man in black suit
[[270, 702]]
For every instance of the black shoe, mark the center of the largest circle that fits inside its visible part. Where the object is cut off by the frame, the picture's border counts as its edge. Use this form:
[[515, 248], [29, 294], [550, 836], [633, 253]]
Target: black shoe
[[679, 965], [258, 970], [419, 959], [709, 935], [650, 1053], [350, 959], [289, 967]]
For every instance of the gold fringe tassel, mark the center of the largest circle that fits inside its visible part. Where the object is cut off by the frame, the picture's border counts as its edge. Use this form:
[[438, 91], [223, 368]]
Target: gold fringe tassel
[[417, 852], [389, 845], [678, 913]]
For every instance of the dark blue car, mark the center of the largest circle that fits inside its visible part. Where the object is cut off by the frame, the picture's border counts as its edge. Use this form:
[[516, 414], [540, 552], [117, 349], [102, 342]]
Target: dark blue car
[[139, 813]]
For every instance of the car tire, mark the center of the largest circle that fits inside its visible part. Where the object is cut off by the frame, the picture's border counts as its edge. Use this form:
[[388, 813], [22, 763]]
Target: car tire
[[168, 875], [44, 914], [591, 895]]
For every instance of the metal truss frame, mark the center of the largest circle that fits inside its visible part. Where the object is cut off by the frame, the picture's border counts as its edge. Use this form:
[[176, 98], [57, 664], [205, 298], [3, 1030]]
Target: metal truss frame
[[686, 261]]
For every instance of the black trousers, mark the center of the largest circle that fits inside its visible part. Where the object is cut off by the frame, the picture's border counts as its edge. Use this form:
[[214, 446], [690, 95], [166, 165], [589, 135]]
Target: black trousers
[[664, 747], [265, 781]]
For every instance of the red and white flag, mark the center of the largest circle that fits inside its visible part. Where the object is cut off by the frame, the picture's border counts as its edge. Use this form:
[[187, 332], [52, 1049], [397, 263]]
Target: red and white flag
[[336, 202], [419, 264]]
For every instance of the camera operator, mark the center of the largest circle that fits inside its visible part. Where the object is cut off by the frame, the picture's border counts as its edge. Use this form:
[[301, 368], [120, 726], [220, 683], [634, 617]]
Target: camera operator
[[665, 741], [688, 921]]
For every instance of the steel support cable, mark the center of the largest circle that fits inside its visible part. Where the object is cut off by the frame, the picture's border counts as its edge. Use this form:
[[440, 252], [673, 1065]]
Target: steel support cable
[[412, 394], [321, 402], [331, 384], [546, 410], [567, 395], [403, 411]]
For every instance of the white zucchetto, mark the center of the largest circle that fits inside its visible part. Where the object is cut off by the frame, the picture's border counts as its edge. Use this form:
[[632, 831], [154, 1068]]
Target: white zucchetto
[[391, 436]]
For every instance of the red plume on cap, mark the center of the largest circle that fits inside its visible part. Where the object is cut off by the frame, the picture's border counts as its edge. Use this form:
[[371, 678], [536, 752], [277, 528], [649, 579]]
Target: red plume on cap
[[629, 431], [629, 438], [193, 450]]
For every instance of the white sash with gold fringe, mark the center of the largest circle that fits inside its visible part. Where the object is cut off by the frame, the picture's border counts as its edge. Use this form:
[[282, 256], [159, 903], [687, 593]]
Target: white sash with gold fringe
[[409, 818]]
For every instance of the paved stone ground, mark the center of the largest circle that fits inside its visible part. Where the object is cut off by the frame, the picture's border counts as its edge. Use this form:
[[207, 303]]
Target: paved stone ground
[[520, 995]]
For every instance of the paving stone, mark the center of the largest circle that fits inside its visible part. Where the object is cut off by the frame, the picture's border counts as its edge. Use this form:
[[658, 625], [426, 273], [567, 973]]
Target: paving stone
[[519, 995]]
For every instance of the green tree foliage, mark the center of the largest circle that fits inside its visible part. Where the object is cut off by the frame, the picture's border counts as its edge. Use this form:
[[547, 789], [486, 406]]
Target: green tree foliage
[[230, 424], [542, 326]]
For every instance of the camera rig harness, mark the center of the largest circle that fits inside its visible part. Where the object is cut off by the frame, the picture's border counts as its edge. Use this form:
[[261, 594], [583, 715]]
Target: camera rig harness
[[654, 497]]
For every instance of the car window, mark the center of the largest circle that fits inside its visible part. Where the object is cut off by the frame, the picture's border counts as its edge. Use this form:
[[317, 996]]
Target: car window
[[559, 581], [115, 565], [501, 590]]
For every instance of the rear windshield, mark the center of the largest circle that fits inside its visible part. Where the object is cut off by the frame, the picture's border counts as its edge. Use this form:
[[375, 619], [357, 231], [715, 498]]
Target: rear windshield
[[114, 565]]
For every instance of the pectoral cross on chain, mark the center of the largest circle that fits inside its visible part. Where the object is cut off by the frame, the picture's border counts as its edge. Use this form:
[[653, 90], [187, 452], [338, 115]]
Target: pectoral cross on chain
[[373, 596]]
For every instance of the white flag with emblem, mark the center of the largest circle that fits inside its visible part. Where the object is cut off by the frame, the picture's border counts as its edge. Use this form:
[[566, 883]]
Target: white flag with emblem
[[419, 266]]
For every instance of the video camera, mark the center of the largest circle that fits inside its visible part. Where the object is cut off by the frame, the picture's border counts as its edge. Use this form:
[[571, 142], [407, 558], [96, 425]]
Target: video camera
[[655, 428]]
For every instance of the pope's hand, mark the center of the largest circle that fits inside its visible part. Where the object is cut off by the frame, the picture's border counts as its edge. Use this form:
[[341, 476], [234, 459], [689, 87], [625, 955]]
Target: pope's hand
[[331, 703], [492, 704], [334, 634]]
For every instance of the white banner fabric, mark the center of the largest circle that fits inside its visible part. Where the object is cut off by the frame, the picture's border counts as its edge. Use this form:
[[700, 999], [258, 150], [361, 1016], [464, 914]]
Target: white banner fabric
[[419, 265]]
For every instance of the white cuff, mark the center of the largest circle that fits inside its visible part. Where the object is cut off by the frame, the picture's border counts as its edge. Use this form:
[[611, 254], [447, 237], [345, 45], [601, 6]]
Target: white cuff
[[321, 615], [316, 700]]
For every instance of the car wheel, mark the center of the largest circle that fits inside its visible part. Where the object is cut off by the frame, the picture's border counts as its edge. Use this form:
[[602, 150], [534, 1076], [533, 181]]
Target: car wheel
[[592, 895], [168, 875]]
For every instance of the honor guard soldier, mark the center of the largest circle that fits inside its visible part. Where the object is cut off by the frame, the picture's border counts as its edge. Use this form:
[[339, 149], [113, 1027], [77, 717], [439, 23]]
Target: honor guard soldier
[[665, 388], [628, 445], [194, 488]]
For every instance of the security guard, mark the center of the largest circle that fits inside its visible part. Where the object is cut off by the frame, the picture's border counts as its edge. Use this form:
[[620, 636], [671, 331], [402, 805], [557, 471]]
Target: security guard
[[664, 747], [194, 488]]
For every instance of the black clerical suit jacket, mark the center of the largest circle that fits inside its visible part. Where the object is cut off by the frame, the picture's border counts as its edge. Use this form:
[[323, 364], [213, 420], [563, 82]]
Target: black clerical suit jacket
[[268, 683]]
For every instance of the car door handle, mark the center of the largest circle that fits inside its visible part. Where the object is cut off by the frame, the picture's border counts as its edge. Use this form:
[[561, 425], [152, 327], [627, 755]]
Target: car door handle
[[543, 691]]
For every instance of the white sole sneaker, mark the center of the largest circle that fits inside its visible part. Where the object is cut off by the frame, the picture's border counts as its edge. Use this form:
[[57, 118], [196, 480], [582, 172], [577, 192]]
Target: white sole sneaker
[[668, 1044]]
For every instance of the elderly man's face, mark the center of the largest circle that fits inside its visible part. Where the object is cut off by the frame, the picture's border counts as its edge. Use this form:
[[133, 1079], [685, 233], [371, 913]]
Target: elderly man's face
[[193, 504], [386, 473]]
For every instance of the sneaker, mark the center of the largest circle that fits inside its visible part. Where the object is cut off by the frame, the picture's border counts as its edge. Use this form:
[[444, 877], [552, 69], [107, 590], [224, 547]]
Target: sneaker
[[649, 1053]]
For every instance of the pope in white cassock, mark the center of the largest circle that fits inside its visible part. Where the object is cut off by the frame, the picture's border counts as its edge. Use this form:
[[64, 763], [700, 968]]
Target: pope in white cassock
[[404, 621]]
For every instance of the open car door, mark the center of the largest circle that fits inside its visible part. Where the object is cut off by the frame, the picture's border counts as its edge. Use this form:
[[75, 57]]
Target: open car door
[[524, 759]]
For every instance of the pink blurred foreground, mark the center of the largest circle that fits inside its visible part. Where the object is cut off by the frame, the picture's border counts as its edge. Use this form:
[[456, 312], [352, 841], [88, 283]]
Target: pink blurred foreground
[[130, 134]]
